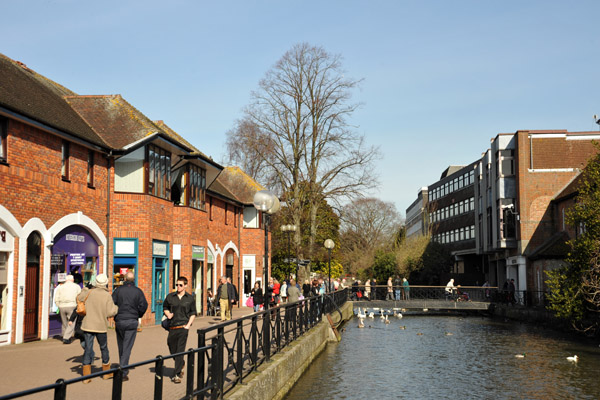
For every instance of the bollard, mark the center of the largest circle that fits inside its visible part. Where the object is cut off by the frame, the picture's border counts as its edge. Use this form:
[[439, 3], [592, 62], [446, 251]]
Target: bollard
[[60, 393], [158, 377], [117, 387]]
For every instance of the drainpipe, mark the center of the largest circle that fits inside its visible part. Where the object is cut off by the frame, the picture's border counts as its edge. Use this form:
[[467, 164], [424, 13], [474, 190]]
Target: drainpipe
[[108, 169], [240, 270]]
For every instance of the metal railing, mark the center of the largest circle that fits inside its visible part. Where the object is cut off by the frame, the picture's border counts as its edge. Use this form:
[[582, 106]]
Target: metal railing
[[246, 343], [237, 347]]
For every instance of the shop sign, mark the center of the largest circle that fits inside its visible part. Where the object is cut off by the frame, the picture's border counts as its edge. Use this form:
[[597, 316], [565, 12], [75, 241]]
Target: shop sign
[[74, 238], [62, 276], [124, 247], [198, 252], [76, 259], [123, 271], [159, 249], [249, 261], [57, 259]]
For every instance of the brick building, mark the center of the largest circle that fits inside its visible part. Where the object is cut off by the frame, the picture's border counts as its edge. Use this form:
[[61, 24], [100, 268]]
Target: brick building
[[92, 185]]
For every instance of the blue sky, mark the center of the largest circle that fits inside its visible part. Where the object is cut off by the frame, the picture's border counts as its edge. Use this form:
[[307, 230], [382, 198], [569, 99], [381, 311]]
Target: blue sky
[[440, 77]]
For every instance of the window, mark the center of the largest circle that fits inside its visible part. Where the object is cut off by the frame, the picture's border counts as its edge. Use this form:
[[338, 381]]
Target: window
[[250, 217], [197, 187], [461, 207], [235, 217], [472, 231], [472, 203], [3, 138], [90, 169], [471, 177], [159, 172], [226, 210], [506, 162], [210, 209], [65, 161], [129, 172]]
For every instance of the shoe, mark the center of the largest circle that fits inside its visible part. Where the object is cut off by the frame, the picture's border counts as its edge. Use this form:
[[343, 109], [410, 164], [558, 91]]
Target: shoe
[[87, 369], [66, 341], [106, 367], [176, 379]]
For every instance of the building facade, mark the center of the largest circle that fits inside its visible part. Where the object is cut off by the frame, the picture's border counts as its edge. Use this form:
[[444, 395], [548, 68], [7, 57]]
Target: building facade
[[417, 217]]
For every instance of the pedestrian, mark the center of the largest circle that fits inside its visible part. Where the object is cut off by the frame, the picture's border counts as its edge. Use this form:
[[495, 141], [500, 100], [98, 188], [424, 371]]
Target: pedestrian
[[180, 308], [511, 292], [293, 292], [486, 287], [65, 298], [390, 289], [235, 297], [306, 289], [398, 287], [283, 291], [450, 289], [406, 288], [132, 305], [374, 288], [225, 298], [368, 289], [99, 306], [257, 296]]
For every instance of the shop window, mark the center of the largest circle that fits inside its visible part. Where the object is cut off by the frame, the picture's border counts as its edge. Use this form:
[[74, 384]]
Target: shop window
[[3, 138], [65, 161], [250, 217], [4, 319], [125, 259], [176, 265], [90, 169]]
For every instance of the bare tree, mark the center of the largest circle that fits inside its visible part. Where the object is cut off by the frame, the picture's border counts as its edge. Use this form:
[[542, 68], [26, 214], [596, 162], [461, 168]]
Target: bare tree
[[301, 134], [367, 225]]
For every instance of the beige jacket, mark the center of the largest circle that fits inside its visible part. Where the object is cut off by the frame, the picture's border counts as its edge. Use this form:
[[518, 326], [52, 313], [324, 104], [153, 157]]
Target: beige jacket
[[66, 293], [99, 306]]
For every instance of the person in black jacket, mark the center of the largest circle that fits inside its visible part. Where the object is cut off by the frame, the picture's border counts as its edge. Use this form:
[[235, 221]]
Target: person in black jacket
[[225, 298], [132, 305]]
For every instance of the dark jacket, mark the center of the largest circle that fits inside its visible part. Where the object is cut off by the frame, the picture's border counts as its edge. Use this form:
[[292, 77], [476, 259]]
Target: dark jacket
[[257, 296], [131, 301], [231, 295]]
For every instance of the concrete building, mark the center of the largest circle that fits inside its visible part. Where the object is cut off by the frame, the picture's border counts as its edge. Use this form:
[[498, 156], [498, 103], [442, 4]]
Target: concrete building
[[516, 181], [417, 217], [91, 185], [452, 220]]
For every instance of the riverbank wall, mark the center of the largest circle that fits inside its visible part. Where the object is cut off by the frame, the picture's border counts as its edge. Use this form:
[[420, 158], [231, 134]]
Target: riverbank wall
[[530, 315], [274, 379]]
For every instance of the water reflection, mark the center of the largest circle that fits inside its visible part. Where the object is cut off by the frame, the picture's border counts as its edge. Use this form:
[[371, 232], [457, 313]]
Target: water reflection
[[451, 357]]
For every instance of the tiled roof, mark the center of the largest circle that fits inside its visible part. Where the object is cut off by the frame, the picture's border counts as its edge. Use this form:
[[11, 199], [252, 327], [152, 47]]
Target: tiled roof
[[32, 95], [237, 183], [114, 119]]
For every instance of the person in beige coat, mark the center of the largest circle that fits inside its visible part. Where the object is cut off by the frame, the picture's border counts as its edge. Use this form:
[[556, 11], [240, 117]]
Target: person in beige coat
[[99, 306]]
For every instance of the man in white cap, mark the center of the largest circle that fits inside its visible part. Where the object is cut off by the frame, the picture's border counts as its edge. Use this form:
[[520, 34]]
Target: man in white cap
[[99, 306], [65, 299]]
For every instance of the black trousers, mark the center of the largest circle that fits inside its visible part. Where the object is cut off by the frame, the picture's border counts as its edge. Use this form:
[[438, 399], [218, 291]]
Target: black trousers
[[177, 340]]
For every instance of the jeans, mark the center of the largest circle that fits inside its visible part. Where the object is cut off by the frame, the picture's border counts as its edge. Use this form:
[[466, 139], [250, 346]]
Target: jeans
[[256, 307], [88, 354], [398, 294], [126, 332]]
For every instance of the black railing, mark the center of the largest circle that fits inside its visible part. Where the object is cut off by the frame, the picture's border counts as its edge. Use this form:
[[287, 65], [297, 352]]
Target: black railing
[[236, 348], [246, 343]]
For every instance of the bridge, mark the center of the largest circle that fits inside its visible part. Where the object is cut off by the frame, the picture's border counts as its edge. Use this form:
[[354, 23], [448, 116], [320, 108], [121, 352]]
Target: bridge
[[424, 298]]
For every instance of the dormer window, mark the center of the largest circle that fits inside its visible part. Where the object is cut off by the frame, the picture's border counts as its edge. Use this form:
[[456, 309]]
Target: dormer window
[[65, 161], [3, 136], [159, 172]]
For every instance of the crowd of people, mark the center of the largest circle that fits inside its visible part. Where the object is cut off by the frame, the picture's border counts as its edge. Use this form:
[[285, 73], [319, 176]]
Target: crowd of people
[[395, 289]]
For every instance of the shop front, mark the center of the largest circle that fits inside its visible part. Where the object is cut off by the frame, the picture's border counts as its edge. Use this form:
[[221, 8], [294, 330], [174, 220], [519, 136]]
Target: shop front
[[160, 278], [74, 252], [125, 259], [197, 276]]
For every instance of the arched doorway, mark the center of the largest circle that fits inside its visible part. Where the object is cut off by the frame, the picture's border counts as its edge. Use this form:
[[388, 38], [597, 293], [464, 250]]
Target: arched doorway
[[32, 287]]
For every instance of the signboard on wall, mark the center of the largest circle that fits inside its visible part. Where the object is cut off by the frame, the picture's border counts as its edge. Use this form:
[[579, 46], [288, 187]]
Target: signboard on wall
[[249, 261], [57, 259], [198, 252], [159, 249], [124, 247], [76, 259]]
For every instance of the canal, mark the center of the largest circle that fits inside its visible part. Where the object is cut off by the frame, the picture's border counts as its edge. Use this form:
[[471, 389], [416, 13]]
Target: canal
[[451, 357]]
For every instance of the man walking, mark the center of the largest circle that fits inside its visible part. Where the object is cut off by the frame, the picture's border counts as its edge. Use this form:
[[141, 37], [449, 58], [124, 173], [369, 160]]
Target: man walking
[[132, 305], [235, 292], [66, 301], [99, 306], [180, 308], [225, 297]]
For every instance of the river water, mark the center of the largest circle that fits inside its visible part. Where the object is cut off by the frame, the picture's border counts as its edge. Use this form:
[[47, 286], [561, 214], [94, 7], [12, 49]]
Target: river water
[[451, 357]]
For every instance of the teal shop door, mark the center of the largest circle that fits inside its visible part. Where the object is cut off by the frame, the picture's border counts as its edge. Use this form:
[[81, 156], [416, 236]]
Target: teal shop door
[[159, 287]]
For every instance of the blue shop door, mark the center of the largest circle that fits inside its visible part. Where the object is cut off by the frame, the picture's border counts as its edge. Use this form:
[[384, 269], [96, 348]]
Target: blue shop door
[[159, 288]]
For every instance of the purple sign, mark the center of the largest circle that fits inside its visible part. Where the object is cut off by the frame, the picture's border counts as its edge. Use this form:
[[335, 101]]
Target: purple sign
[[76, 244]]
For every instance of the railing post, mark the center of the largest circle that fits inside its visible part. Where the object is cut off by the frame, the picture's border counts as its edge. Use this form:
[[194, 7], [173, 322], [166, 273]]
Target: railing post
[[301, 317], [240, 359], [294, 320], [189, 382], [60, 392], [278, 329], [158, 377], [254, 339], [216, 390], [266, 333], [286, 318], [117, 387], [201, 356]]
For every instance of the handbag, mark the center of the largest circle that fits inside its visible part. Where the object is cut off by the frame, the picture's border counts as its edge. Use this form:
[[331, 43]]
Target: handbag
[[250, 302], [165, 323], [80, 310]]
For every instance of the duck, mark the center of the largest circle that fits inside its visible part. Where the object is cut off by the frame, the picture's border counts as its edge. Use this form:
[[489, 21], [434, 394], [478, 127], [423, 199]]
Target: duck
[[387, 321], [371, 315], [361, 323], [399, 315], [419, 334], [403, 327], [448, 333], [381, 315], [361, 314], [573, 358], [522, 355], [425, 309]]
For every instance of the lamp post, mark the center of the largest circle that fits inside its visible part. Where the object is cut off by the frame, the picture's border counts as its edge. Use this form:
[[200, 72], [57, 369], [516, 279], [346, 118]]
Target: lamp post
[[289, 229], [268, 204], [329, 244]]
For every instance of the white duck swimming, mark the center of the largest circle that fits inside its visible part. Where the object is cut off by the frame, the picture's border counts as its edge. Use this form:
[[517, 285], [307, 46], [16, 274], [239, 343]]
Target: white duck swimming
[[399, 315], [361, 323], [381, 315], [371, 315], [520, 355], [361, 314], [387, 321], [573, 359]]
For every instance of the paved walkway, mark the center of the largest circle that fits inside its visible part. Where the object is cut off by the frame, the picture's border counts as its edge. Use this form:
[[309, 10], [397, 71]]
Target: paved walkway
[[40, 363]]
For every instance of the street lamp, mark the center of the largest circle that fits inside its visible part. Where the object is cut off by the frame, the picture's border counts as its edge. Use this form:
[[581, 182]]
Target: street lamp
[[289, 229], [268, 204], [329, 244]]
